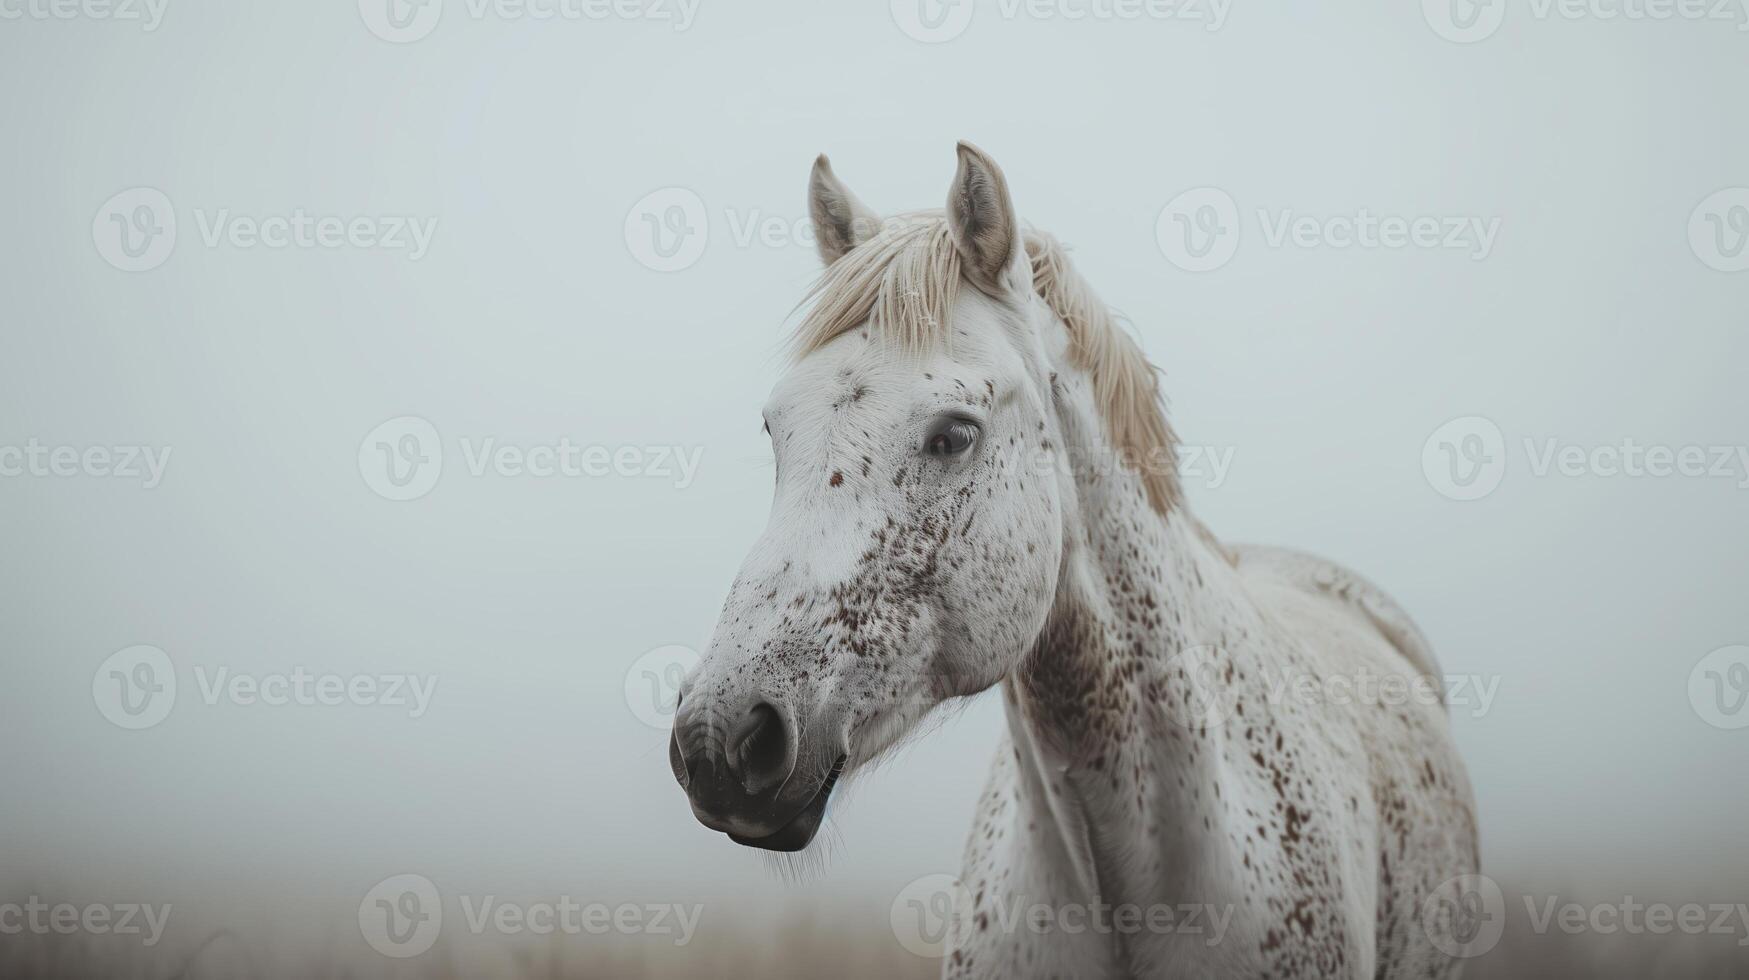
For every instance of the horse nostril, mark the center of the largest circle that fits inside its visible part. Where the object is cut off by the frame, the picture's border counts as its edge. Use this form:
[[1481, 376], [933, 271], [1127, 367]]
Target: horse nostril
[[677, 759], [760, 754]]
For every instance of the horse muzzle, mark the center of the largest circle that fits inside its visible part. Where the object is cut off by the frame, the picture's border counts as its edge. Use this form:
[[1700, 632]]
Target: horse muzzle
[[737, 759]]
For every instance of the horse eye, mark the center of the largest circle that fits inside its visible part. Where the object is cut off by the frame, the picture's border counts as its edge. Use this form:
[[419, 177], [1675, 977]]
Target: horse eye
[[952, 439]]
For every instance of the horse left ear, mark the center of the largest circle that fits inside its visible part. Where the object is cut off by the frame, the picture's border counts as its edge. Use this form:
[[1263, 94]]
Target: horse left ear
[[985, 229], [841, 222]]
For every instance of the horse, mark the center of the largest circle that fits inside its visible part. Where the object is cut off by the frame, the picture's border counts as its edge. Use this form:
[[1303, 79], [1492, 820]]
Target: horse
[[976, 487]]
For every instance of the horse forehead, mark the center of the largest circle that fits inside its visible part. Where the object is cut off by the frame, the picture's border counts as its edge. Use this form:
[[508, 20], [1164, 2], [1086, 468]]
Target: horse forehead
[[864, 362], [850, 367]]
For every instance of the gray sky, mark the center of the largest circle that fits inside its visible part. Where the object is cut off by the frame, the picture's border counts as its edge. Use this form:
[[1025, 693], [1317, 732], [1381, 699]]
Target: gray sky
[[527, 153]]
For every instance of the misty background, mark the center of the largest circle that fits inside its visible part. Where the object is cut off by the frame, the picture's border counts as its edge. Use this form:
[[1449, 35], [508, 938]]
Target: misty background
[[560, 296]]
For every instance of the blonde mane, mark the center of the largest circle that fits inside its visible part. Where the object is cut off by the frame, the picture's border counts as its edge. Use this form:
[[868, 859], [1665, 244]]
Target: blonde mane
[[903, 281]]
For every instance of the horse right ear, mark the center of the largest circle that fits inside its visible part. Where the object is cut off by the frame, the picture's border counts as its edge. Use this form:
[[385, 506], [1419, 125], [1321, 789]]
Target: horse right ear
[[985, 229], [841, 222]]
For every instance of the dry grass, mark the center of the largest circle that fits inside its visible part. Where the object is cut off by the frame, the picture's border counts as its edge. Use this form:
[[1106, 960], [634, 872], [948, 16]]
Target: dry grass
[[808, 945]]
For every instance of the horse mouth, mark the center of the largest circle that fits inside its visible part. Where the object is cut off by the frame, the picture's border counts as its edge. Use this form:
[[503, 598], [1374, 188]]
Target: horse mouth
[[802, 827]]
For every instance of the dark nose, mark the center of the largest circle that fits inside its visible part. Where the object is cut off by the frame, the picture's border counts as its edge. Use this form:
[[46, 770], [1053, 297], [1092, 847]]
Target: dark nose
[[732, 757]]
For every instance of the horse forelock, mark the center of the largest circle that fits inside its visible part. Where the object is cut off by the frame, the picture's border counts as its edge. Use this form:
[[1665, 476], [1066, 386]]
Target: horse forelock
[[903, 281]]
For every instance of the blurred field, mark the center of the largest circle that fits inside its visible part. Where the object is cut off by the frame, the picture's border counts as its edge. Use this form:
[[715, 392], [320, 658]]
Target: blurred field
[[808, 945]]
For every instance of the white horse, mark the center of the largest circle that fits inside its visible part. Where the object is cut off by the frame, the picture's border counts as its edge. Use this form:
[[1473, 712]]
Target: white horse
[[976, 487]]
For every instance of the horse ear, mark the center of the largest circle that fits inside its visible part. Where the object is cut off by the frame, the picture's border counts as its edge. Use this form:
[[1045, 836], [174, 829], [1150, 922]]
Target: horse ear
[[841, 222], [985, 229]]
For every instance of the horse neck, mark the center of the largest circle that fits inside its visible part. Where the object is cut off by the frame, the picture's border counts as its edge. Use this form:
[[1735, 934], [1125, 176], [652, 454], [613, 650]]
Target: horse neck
[[1106, 762]]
